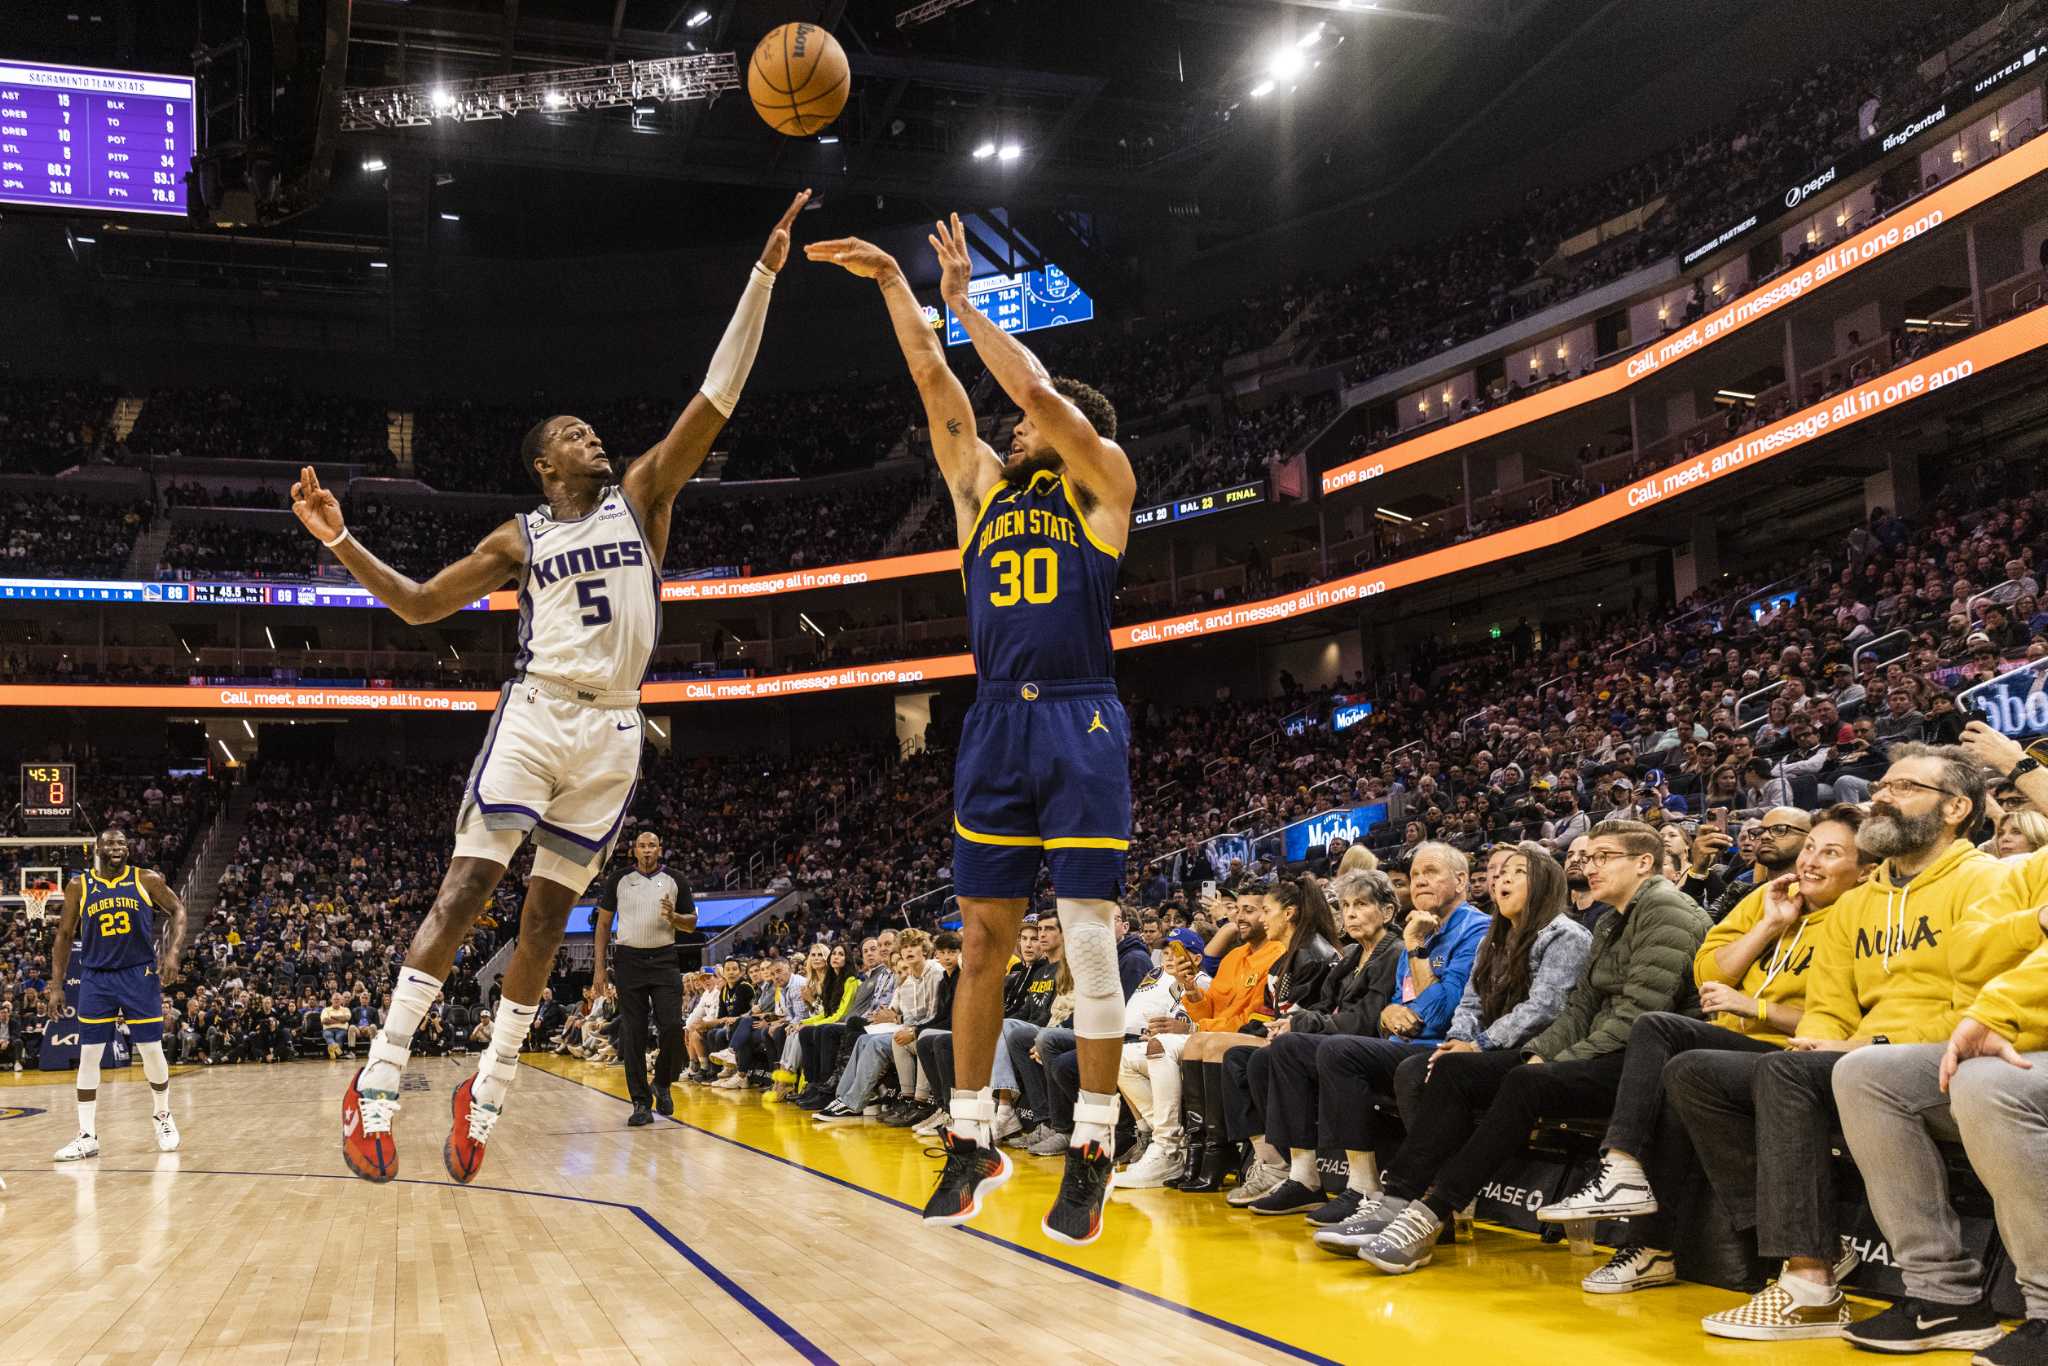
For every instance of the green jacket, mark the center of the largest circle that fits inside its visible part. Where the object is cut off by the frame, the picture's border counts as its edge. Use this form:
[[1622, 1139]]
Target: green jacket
[[1641, 960]]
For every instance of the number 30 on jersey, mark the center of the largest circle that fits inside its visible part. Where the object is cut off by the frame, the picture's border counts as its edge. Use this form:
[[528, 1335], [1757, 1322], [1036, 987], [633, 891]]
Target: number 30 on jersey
[[1032, 577]]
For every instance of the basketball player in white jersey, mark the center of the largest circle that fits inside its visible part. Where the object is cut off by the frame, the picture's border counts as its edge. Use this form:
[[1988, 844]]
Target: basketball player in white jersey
[[563, 750]]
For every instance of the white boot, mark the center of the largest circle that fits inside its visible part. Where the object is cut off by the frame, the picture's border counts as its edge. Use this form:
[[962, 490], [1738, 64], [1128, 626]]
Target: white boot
[[1163, 1159]]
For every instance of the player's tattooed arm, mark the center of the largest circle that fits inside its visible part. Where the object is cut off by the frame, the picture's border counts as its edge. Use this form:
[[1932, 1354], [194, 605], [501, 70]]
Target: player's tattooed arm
[[966, 462], [1098, 464], [653, 481], [160, 894], [494, 561]]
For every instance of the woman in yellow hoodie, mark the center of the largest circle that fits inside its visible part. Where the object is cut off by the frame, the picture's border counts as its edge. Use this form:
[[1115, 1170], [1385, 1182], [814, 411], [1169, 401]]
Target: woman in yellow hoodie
[[1751, 970]]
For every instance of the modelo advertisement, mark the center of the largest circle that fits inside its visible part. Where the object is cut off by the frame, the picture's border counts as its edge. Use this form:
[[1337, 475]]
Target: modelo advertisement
[[1349, 823]]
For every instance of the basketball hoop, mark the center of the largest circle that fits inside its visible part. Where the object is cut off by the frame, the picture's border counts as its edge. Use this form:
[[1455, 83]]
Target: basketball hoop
[[36, 898]]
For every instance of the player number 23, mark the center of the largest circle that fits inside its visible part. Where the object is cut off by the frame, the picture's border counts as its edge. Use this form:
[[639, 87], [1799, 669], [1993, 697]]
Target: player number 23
[[113, 923], [1033, 576]]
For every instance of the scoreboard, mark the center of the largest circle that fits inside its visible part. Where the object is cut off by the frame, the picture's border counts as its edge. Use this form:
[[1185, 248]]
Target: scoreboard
[[1024, 303], [84, 138]]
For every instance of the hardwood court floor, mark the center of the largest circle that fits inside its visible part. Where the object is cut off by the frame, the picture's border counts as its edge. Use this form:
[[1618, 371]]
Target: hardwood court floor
[[743, 1233]]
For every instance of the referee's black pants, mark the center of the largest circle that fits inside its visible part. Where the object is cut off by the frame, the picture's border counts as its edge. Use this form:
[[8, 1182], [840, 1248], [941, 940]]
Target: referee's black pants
[[649, 982]]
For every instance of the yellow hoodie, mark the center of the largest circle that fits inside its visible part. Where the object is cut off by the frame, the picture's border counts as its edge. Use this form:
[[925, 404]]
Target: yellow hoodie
[[1777, 977], [2015, 1003], [2000, 930], [1882, 963]]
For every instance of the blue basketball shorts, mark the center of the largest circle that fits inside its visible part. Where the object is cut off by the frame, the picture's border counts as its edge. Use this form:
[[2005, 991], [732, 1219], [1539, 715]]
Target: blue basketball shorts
[[1043, 775], [131, 992]]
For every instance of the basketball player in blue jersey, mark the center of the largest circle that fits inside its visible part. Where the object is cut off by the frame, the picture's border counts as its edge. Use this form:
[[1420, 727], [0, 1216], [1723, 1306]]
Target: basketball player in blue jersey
[[110, 911], [563, 751], [1042, 773]]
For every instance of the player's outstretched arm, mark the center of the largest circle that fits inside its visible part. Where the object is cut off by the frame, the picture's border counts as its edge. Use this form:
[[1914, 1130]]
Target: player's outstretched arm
[[965, 460], [1100, 464], [496, 559], [60, 946], [653, 481], [161, 895]]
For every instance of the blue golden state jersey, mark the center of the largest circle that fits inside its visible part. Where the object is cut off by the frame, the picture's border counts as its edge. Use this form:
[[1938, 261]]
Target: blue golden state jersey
[[116, 925], [1040, 586]]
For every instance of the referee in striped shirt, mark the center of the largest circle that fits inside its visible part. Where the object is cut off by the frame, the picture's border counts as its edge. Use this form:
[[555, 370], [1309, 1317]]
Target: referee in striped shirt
[[650, 906]]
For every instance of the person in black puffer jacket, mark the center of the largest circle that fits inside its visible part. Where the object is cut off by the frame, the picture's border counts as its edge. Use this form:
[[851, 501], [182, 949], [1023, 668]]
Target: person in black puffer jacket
[[1297, 914]]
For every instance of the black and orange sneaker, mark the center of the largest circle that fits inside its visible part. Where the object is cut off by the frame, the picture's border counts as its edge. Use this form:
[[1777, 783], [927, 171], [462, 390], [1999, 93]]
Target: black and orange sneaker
[[971, 1172], [469, 1133], [1076, 1215], [366, 1142]]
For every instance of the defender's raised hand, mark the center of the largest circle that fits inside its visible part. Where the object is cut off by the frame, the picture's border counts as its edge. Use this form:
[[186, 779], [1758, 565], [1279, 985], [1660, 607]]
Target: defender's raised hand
[[864, 259], [777, 251], [317, 509]]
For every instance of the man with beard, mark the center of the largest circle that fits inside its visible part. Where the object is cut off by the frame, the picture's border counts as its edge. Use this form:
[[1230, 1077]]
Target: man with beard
[[1780, 835], [1880, 975], [1898, 1103]]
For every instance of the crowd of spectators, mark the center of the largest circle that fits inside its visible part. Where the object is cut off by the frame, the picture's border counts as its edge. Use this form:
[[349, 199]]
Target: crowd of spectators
[[263, 421], [236, 550], [66, 535], [47, 425]]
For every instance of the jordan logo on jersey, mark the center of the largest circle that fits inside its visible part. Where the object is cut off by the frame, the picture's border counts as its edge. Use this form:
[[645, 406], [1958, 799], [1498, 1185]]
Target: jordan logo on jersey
[[588, 559], [1096, 724]]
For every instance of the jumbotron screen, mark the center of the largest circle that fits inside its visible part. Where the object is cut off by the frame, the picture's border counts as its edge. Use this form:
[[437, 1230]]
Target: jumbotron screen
[[1036, 299], [79, 137]]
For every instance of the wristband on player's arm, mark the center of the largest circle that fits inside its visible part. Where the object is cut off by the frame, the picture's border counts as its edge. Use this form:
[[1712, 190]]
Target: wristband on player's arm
[[734, 358]]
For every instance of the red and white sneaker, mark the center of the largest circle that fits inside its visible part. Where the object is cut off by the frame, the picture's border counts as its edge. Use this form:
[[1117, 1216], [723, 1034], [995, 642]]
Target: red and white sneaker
[[469, 1134], [366, 1142]]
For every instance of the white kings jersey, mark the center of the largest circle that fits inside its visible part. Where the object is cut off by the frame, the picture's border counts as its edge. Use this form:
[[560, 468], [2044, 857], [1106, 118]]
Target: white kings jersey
[[589, 597]]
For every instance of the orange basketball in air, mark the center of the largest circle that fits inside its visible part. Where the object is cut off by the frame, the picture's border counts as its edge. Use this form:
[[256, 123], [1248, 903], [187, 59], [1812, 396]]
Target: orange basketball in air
[[798, 79]]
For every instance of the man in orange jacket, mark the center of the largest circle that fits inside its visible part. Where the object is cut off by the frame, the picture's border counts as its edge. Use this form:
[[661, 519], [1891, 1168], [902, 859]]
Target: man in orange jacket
[[1237, 987]]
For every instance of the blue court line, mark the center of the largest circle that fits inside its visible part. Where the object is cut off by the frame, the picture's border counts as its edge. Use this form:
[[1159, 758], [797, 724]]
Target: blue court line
[[1106, 1282], [782, 1328]]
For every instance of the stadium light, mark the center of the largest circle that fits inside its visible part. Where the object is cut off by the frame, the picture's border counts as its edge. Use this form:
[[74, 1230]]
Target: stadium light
[[828, 139], [556, 99], [373, 164], [1011, 151], [698, 20], [1311, 38], [451, 218], [985, 151], [248, 729], [380, 265], [443, 101], [1286, 64], [1262, 89]]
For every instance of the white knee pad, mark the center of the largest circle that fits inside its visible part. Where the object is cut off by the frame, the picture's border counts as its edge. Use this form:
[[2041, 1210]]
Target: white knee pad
[[89, 1066], [154, 1065], [1091, 958]]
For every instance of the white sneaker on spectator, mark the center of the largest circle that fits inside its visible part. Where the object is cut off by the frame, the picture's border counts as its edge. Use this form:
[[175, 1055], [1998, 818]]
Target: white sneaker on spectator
[[1007, 1126], [1024, 1138], [731, 1081], [932, 1122], [85, 1145], [1631, 1269], [1263, 1176], [835, 1113], [1161, 1162], [1053, 1143], [725, 1057], [872, 1111]]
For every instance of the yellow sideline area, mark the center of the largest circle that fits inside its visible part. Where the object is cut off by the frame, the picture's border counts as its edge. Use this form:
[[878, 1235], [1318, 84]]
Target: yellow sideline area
[[1505, 1292]]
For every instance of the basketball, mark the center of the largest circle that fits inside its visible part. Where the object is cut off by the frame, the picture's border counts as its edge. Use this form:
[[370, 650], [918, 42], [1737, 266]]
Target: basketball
[[798, 79]]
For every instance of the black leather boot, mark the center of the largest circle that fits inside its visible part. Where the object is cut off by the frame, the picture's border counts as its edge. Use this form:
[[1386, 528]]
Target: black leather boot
[[1218, 1154], [1194, 1125]]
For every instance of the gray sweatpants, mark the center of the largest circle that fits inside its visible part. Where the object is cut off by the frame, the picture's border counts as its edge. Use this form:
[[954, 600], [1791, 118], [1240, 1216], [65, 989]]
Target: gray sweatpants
[[1893, 1114]]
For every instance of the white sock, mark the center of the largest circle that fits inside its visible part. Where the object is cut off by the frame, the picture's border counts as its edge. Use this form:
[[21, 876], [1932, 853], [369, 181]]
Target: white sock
[[1301, 1168], [972, 1113], [86, 1112], [1005, 1113], [411, 998], [501, 1061], [1808, 1292], [1365, 1171], [1094, 1130]]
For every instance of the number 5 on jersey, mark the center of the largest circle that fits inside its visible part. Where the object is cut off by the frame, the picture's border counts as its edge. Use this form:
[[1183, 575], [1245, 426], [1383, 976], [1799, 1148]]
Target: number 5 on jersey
[[1033, 577], [590, 594]]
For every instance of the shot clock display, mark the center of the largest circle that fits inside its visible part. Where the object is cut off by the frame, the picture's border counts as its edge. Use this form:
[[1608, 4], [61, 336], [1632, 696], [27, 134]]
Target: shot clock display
[[79, 137], [49, 798]]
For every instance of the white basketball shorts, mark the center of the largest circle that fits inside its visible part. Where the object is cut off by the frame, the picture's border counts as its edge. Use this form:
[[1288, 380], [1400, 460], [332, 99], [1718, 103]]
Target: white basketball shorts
[[560, 770]]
